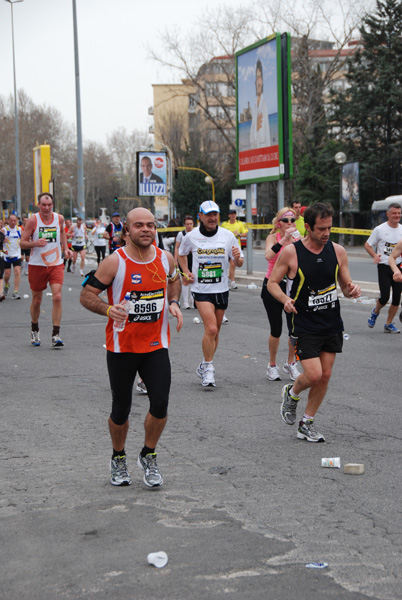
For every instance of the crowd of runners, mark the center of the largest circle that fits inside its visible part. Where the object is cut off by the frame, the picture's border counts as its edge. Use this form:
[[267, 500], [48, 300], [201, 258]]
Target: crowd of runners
[[140, 283]]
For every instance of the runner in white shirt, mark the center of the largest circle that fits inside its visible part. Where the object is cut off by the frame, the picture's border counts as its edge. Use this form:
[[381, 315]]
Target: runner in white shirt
[[99, 233], [12, 256], [384, 238], [78, 244], [211, 247]]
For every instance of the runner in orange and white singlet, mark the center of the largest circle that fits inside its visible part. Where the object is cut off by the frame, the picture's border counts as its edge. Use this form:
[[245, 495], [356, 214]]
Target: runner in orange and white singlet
[[145, 278], [44, 234]]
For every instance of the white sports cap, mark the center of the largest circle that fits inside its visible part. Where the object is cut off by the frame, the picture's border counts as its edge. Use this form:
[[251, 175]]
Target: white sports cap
[[209, 206]]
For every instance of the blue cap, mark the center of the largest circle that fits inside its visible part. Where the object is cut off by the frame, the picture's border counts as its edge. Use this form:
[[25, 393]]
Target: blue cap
[[116, 214]]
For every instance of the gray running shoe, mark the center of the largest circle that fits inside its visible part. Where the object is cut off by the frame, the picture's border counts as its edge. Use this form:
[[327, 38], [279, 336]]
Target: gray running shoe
[[5, 291], [57, 342], [307, 432], [16, 296], [288, 406], [152, 475], [118, 471], [35, 341], [208, 376], [273, 373]]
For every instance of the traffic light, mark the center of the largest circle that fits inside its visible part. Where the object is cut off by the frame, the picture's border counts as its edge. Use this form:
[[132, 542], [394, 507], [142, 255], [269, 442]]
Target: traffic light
[[115, 198]]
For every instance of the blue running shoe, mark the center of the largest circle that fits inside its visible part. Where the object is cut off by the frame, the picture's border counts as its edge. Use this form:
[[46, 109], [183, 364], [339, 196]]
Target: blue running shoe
[[391, 329], [372, 319]]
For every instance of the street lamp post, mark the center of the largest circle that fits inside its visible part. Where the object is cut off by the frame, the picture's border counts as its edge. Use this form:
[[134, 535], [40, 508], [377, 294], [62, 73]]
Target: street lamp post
[[340, 159], [208, 178], [80, 156], [17, 148]]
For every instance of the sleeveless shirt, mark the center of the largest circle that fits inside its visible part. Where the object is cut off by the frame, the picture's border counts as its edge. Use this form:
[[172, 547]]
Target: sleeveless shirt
[[147, 327], [315, 292], [49, 255]]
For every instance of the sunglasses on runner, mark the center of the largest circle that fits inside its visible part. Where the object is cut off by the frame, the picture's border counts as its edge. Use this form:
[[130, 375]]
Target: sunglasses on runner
[[286, 220]]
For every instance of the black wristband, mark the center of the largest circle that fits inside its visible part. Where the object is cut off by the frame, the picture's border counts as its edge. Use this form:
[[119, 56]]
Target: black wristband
[[277, 247], [177, 302]]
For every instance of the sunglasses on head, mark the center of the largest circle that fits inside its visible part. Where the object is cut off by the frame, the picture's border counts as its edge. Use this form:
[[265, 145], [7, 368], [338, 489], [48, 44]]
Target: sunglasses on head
[[286, 220]]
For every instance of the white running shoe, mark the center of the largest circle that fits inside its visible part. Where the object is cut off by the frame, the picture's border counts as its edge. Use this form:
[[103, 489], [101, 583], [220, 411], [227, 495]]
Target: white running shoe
[[208, 376], [292, 370], [233, 285], [141, 387], [72, 268], [273, 373], [225, 319]]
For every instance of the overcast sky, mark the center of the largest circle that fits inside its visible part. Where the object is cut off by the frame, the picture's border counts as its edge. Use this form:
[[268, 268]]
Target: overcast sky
[[115, 73]]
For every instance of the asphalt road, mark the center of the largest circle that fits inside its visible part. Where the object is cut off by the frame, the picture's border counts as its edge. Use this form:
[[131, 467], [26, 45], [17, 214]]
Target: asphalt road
[[245, 505]]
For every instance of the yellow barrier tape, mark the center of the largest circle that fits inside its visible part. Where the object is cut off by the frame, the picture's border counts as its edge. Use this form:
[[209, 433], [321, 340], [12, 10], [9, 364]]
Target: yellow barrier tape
[[365, 232], [333, 229]]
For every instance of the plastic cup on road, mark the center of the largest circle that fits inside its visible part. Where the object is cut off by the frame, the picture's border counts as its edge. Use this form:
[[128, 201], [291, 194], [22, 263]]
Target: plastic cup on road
[[331, 462], [158, 559]]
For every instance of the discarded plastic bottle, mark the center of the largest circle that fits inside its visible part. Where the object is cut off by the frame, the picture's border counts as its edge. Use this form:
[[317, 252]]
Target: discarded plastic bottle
[[346, 336], [119, 326]]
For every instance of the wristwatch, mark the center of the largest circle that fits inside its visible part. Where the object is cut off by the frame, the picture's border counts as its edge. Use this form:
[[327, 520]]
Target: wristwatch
[[176, 301]]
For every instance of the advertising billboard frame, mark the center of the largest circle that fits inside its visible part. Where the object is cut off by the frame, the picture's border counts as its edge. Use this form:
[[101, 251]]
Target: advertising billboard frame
[[159, 187], [282, 166]]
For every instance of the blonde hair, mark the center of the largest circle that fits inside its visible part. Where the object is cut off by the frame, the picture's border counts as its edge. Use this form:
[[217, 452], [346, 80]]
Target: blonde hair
[[279, 215]]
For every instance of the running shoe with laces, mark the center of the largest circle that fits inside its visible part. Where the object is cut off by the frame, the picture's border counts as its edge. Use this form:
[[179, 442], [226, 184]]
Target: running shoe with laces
[[225, 319], [273, 373], [118, 471], [5, 291], [35, 341], [307, 432], [391, 329], [208, 376], [288, 406], [200, 370], [152, 475], [72, 268], [233, 285], [141, 387], [372, 319], [16, 296], [57, 341], [292, 370]]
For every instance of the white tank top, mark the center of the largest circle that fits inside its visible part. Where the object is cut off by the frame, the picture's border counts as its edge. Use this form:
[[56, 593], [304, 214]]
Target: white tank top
[[49, 255], [78, 236]]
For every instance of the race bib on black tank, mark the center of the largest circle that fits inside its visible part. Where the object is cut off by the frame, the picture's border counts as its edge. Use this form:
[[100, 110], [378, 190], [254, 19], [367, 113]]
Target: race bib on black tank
[[323, 299], [146, 307], [210, 272]]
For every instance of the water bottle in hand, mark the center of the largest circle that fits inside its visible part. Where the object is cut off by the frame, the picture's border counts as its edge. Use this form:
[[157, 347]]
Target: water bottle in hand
[[119, 326]]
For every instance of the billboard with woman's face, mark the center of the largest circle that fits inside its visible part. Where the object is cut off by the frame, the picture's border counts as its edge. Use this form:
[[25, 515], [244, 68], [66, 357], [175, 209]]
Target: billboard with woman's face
[[259, 73]]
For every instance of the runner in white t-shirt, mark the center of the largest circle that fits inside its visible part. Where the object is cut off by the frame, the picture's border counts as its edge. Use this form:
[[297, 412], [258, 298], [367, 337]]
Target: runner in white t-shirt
[[384, 238], [211, 248], [12, 255]]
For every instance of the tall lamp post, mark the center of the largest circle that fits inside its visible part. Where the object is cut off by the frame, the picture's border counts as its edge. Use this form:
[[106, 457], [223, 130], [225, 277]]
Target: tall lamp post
[[80, 157], [17, 148], [340, 159]]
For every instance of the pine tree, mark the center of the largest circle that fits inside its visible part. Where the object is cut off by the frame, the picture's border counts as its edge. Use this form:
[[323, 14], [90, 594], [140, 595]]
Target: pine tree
[[368, 115]]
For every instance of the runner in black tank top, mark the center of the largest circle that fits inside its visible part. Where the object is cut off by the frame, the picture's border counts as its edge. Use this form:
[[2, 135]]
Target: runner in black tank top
[[313, 266], [315, 292]]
